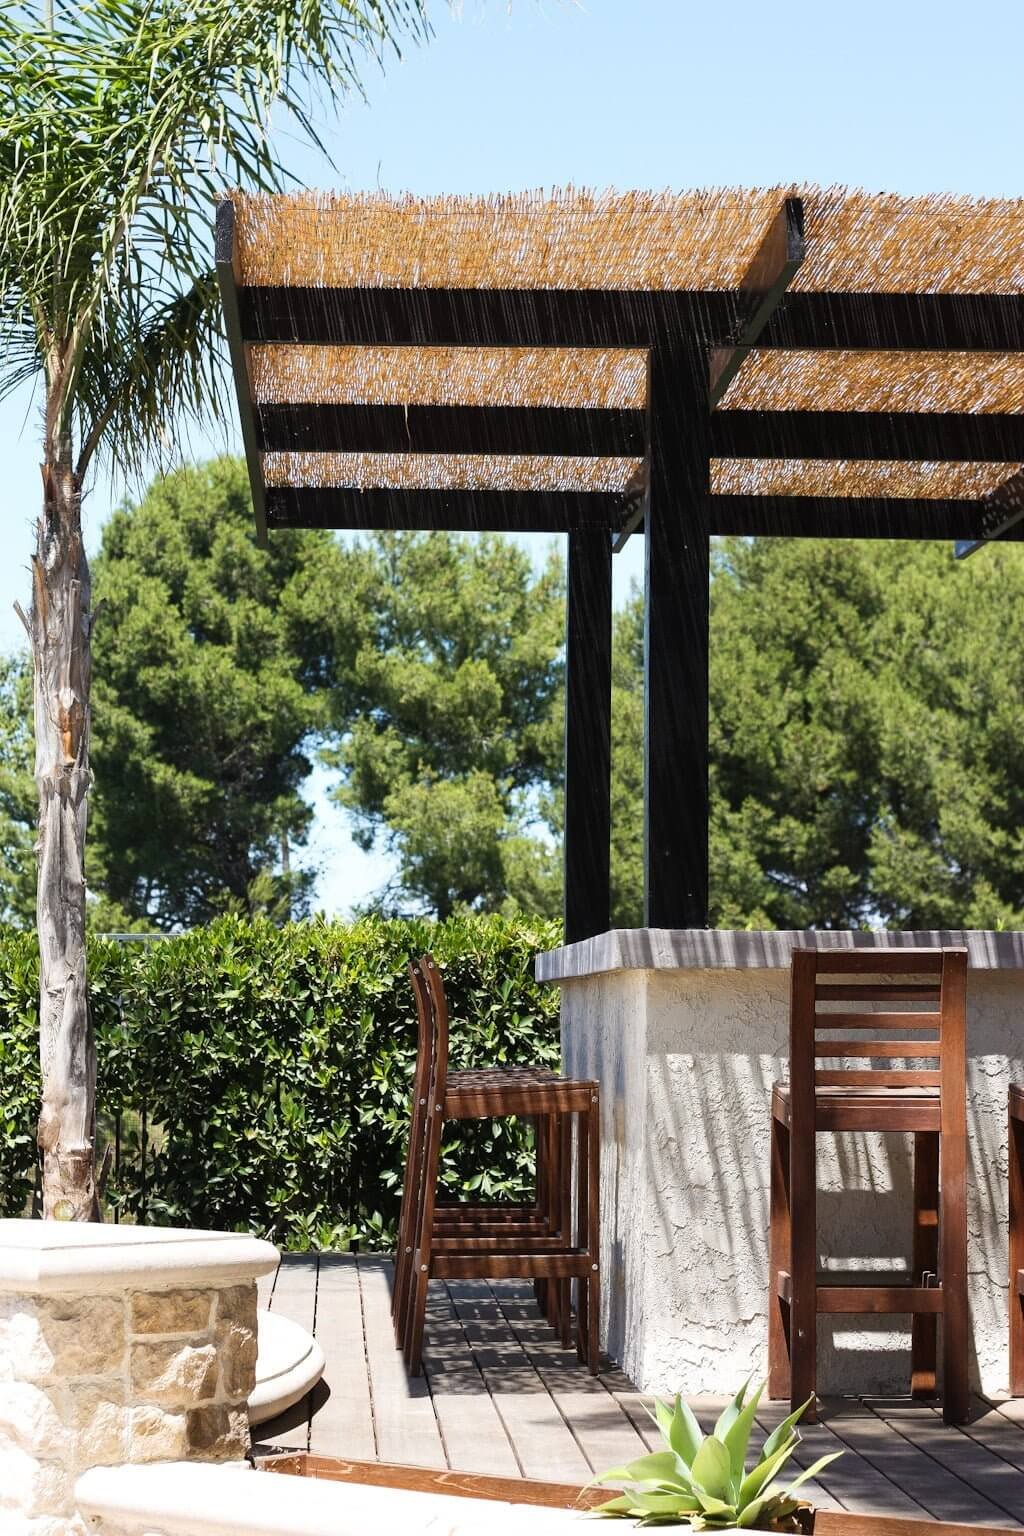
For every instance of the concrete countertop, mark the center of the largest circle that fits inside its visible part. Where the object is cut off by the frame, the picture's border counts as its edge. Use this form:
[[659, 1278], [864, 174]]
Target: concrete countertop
[[674, 949]]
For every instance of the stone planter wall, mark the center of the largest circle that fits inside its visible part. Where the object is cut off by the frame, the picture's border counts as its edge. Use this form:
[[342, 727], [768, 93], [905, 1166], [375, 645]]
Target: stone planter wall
[[107, 1369]]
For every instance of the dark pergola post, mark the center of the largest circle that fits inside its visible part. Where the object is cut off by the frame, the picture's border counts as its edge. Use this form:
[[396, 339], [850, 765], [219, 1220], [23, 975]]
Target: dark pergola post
[[677, 533], [588, 726]]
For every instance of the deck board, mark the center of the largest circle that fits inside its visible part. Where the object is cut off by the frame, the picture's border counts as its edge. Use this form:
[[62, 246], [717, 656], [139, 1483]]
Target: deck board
[[500, 1395]]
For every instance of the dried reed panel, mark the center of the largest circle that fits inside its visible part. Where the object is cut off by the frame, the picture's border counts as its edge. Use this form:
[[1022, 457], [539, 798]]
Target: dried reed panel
[[863, 477], [856, 241], [522, 376], [449, 472], [773, 379], [568, 239]]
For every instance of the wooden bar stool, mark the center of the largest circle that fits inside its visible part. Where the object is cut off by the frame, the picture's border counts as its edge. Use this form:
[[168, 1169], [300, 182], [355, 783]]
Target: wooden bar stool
[[907, 1096], [532, 1243], [1016, 1127], [547, 1216]]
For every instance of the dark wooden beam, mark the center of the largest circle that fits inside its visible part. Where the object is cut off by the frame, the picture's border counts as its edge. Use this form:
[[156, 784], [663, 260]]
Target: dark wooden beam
[[1001, 516], [588, 736], [465, 511], [227, 279], [677, 578], [845, 517], [773, 268], [910, 436], [513, 317], [580, 318], [955, 322], [452, 429]]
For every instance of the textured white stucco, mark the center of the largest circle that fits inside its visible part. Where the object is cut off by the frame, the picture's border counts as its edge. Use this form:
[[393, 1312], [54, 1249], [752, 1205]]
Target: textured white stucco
[[686, 1059]]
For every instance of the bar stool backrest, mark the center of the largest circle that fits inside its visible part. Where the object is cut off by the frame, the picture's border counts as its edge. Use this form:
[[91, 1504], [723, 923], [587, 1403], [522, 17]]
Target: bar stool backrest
[[912, 1000], [432, 1014]]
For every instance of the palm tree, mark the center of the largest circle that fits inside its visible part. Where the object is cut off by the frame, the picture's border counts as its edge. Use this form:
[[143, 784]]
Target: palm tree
[[119, 122]]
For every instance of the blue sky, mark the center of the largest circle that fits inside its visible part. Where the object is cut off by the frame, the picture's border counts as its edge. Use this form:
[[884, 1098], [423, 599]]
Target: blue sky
[[891, 95]]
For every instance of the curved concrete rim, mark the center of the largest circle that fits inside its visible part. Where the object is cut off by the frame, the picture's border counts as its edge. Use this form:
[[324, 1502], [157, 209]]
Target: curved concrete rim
[[289, 1361]]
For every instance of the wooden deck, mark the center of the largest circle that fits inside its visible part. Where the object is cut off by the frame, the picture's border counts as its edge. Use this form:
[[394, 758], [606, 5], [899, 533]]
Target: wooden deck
[[501, 1396]]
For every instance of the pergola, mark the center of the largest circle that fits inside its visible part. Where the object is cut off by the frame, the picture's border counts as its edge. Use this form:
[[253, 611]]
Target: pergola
[[828, 365]]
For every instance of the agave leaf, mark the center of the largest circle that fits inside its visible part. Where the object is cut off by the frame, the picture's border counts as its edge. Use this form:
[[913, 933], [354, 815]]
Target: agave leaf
[[684, 1433], [712, 1506], [779, 1435], [658, 1467], [810, 1471], [620, 1506], [665, 1503], [750, 1514], [737, 1437], [712, 1469], [662, 1416], [729, 1415], [757, 1480]]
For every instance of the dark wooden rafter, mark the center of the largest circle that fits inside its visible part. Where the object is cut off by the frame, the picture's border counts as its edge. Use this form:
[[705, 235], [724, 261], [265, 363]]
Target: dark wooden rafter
[[455, 511], [770, 273], [461, 429], [227, 279], [596, 318], [846, 517], [841, 517], [1000, 516], [911, 436]]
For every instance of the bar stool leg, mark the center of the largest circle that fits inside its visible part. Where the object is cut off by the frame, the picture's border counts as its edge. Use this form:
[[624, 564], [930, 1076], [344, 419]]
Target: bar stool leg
[[779, 1258], [1016, 1140], [953, 1240], [592, 1285], [925, 1261], [542, 1143], [803, 1324], [416, 1305], [564, 1220]]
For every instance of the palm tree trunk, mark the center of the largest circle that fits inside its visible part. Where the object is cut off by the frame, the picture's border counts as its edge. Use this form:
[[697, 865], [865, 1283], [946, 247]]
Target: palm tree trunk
[[60, 631]]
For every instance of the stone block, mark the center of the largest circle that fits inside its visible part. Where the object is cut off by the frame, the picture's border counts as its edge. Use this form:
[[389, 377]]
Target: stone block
[[154, 1435], [31, 1419], [218, 1433], [177, 1374], [77, 1336], [237, 1304], [236, 1349], [178, 1312], [99, 1419], [30, 1486]]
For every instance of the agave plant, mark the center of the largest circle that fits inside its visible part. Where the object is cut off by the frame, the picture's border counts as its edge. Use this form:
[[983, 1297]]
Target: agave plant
[[703, 1479]]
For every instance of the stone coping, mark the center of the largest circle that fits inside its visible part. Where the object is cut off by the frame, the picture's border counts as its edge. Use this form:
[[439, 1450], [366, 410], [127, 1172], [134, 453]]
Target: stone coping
[[721, 949], [289, 1362], [48, 1257], [192, 1499]]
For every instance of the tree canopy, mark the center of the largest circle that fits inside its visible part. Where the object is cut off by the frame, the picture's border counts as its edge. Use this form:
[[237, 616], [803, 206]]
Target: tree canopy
[[208, 689], [867, 735], [449, 716]]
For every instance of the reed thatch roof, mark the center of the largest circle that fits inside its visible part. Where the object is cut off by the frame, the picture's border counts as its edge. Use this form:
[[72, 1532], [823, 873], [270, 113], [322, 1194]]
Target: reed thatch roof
[[856, 242], [636, 244]]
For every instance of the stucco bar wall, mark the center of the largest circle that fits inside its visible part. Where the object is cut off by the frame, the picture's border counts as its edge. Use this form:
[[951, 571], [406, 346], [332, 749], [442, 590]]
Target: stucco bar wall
[[686, 1031]]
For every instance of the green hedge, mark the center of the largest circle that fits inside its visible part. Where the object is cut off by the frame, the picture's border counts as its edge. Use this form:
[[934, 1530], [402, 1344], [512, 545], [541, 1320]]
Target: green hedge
[[273, 1065]]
